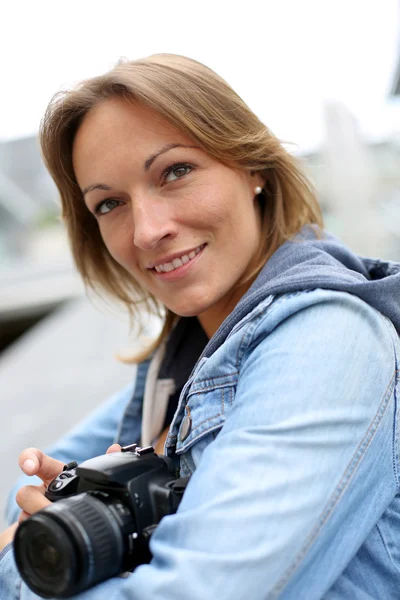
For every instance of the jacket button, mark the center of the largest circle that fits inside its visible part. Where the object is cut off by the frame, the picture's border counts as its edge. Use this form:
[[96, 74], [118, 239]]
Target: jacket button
[[185, 427]]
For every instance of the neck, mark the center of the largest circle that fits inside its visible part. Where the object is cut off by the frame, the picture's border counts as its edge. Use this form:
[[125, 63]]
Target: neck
[[211, 319]]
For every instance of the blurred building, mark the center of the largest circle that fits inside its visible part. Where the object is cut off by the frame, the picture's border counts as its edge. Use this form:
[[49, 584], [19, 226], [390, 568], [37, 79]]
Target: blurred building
[[36, 271], [26, 193], [395, 89], [27, 197], [358, 184]]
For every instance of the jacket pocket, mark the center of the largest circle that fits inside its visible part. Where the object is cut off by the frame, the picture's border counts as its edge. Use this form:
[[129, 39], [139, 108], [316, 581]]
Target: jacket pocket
[[207, 405]]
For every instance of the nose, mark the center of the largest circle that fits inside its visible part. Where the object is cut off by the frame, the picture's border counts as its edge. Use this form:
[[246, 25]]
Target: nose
[[152, 222]]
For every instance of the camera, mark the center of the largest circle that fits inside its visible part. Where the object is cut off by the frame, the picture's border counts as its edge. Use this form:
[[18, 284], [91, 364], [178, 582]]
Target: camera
[[100, 523]]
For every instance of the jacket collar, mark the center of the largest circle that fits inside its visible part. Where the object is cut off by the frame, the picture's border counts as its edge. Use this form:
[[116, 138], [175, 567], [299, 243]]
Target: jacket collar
[[315, 259]]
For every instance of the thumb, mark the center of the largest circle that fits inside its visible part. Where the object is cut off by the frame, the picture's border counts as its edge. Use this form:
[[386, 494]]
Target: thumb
[[114, 448], [34, 462]]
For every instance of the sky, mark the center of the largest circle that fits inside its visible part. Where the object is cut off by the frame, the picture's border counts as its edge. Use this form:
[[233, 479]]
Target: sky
[[284, 57]]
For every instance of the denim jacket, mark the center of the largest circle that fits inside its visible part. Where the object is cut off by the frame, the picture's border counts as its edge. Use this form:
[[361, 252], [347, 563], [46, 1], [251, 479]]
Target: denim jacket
[[287, 425]]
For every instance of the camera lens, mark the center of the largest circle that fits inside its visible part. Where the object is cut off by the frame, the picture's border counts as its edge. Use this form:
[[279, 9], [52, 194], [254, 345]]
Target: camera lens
[[45, 556], [70, 546]]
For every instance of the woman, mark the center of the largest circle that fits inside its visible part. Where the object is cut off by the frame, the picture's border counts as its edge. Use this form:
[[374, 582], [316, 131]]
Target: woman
[[275, 373]]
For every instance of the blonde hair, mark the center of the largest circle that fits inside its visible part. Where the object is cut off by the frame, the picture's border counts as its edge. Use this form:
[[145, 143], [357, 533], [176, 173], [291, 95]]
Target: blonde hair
[[203, 106]]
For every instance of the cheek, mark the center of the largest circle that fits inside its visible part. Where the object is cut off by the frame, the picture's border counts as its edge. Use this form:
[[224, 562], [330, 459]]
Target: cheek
[[211, 208], [118, 241]]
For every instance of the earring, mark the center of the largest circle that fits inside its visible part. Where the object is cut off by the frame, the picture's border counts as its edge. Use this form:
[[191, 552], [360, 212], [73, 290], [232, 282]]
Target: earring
[[258, 190]]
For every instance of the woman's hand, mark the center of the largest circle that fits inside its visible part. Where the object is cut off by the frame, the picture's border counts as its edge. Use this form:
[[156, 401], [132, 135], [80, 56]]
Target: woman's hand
[[31, 498], [32, 461], [7, 536], [114, 448]]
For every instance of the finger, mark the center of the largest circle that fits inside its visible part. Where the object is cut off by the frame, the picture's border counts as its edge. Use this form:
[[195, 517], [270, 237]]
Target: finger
[[34, 462], [23, 516], [30, 498], [8, 535], [114, 448]]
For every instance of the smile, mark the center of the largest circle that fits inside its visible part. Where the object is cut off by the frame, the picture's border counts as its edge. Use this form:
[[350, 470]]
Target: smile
[[178, 262]]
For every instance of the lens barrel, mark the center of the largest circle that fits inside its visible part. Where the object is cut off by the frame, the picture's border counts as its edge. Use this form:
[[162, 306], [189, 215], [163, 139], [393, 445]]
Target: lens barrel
[[71, 545]]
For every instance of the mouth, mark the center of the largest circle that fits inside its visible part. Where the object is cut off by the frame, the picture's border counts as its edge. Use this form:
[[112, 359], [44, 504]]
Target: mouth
[[179, 264]]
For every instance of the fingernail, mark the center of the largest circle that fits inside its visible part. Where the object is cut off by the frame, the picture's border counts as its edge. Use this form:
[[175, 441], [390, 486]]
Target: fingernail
[[29, 465]]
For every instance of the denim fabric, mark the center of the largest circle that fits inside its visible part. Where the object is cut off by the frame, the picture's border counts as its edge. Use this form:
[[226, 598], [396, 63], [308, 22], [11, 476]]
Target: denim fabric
[[293, 452], [309, 262]]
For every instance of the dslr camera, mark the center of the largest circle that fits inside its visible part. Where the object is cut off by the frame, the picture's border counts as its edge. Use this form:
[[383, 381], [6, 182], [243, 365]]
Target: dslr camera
[[100, 523]]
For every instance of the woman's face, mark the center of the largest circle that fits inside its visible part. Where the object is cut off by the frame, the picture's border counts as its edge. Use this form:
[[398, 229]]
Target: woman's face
[[184, 225]]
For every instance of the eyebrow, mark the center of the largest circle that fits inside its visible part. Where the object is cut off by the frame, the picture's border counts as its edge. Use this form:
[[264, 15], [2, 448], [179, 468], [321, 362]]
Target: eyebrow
[[95, 186], [147, 165], [153, 157]]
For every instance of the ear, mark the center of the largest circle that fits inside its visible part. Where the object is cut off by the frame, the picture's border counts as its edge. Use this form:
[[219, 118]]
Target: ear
[[257, 180]]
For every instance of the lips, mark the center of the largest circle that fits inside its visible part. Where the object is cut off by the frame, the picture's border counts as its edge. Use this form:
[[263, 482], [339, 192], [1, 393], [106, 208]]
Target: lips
[[178, 261]]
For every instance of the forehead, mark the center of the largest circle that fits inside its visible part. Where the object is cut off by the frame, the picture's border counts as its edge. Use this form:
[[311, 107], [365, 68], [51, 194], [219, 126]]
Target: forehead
[[116, 136], [125, 123]]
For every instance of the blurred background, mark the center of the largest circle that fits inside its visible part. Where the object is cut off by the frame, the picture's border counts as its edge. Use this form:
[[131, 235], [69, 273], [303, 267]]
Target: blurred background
[[324, 76]]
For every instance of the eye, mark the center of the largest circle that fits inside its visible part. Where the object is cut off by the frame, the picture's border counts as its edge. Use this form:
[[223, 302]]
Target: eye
[[176, 171], [106, 206]]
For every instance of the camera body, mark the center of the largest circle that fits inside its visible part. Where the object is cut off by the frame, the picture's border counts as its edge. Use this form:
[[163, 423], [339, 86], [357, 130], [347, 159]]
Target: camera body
[[144, 482], [100, 523]]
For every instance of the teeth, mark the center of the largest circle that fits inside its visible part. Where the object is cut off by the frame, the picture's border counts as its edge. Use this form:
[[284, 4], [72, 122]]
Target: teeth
[[178, 262]]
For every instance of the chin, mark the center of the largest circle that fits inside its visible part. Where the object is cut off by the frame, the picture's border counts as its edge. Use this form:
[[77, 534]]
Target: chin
[[189, 309], [189, 312]]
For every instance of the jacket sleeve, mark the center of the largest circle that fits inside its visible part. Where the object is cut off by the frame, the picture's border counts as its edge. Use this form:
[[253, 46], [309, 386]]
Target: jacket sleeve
[[91, 437], [277, 506], [303, 467]]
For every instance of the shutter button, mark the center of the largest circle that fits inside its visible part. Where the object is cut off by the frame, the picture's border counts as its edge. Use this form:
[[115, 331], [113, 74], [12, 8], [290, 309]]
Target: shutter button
[[186, 425]]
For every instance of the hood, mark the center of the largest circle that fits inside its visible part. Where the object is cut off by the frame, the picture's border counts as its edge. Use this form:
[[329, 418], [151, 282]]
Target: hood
[[307, 263]]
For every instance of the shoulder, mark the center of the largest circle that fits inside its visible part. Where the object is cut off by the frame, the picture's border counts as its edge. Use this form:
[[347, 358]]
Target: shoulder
[[300, 353], [317, 328], [337, 317]]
